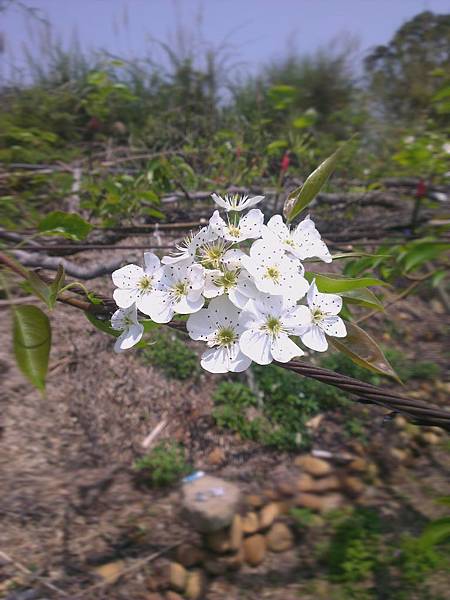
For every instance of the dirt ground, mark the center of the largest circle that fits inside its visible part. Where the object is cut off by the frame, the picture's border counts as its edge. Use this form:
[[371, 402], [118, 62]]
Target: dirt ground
[[69, 498]]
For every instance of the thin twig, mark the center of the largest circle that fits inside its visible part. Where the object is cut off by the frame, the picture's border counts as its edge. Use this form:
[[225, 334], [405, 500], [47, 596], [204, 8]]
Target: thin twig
[[24, 569], [134, 567]]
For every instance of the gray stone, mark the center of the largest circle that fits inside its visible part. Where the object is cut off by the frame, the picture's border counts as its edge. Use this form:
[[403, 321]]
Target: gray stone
[[209, 503]]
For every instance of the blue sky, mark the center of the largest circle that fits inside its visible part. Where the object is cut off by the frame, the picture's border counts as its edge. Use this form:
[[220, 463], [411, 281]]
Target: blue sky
[[254, 31]]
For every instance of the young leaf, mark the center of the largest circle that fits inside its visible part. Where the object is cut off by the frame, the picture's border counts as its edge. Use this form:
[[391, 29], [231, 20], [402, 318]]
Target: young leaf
[[337, 284], [32, 340], [364, 351], [39, 287], [363, 297], [56, 285], [303, 195], [68, 225]]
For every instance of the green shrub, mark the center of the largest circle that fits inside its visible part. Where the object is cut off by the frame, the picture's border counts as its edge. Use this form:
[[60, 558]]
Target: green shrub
[[172, 355], [164, 466], [278, 418], [353, 553]]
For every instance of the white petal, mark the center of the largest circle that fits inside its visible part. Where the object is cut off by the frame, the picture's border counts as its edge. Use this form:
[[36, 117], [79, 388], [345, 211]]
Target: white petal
[[145, 302], [284, 349], [334, 326], [239, 363], [220, 201], [216, 223], [151, 262], [276, 225], [127, 276], [199, 326], [315, 339], [251, 224], [298, 320], [196, 277], [256, 345], [223, 313], [215, 360], [233, 258], [187, 305], [161, 309], [211, 289], [124, 298], [129, 338], [249, 202]]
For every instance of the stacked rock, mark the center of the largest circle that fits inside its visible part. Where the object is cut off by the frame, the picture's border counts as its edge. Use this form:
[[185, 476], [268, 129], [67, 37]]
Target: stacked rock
[[235, 531]]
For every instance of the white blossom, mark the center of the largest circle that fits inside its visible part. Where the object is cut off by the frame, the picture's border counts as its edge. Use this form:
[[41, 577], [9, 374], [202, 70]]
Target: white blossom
[[302, 242], [189, 246], [235, 282], [249, 226], [274, 272], [126, 321], [236, 202], [268, 321], [320, 318], [179, 290], [218, 325], [136, 284]]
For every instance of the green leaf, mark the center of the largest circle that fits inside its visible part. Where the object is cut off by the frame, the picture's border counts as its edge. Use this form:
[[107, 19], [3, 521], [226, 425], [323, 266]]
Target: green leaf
[[39, 287], [358, 255], [363, 297], [56, 285], [337, 284], [104, 326], [424, 252], [303, 195], [32, 341], [68, 225], [363, 351], [436, 532]]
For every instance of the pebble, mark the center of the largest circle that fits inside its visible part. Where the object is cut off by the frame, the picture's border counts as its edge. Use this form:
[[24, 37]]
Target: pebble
[[250, 522], [280, 538], [320, 503], [312, 465], [205, 508], [196, 585], [236, 533], [189, 555], [255, 549], [429, 437], [305, 483], [268, 515], [177, 576], [111, 571], [219, 541], [326, 484], [254, 500], [170, 595], [216, 457], [353, 486]]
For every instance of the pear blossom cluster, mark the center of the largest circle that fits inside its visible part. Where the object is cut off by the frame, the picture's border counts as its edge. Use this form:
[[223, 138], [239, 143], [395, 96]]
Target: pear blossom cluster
[[242, 284]]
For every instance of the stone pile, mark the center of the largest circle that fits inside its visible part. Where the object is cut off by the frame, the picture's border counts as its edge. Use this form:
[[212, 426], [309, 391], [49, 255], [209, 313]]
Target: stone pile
[[237, 531]]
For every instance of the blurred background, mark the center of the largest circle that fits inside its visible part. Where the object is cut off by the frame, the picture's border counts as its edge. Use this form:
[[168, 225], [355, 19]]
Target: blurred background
[[127, 115]]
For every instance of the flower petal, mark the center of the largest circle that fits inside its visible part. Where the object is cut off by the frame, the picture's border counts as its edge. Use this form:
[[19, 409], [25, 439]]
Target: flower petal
[[187, 305], [215, 360], [151, 262], [256, 345], [127, 276], [198, 326], [334, 326], [284, 349], [315, 339], [161, 308], [124, 298], [129, 338]]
